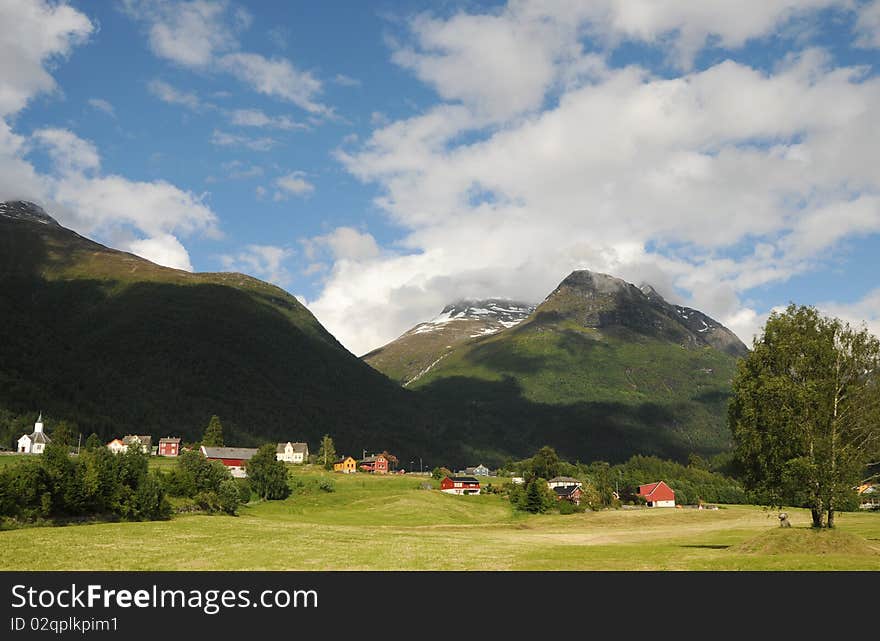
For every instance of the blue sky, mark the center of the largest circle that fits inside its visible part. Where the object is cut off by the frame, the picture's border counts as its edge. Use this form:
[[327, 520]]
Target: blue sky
[[379, 159]]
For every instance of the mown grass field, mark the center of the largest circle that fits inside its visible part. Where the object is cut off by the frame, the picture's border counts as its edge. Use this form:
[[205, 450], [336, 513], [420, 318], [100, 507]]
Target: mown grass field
[[389, 523]]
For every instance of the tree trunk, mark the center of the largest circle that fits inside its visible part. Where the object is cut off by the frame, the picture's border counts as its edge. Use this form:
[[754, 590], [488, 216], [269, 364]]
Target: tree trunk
[[818, 517], [830, 523]]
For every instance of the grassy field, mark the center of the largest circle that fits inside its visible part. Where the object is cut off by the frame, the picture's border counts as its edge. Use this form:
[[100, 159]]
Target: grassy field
[[389, 523]]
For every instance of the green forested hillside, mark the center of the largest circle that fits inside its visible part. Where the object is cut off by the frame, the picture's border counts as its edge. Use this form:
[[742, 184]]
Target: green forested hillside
[[117, 345]]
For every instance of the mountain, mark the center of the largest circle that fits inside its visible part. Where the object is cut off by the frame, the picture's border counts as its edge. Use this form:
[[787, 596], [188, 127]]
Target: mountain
[[600, 369], [117, 344], [413, 354]]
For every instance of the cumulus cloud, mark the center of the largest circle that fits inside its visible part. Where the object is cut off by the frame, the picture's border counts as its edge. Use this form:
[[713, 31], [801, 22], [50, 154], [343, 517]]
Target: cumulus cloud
[[102, 105], [868, 25], [35, 34], [293, 184], [225, 139], [343, 243], [69, 153], [188, 33], [709, 183], [173, 96], [865, 311], [266, 262], [257, 118], [163, 250], [276, 77]]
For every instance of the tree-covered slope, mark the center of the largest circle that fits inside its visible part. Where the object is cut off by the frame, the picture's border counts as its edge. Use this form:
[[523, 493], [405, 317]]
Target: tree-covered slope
[[599, 369], [120, 345]]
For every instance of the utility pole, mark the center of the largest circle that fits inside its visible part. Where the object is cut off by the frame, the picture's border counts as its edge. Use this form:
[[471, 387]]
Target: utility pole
[[79, 444]]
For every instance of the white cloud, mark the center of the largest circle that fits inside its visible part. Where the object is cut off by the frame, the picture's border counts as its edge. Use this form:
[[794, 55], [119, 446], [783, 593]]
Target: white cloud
[[257, 118], [102, 105], [293, 183], [163, 250], [187, 33], [34, 34], [225, 139], [262, 261], [863, 311], [69, 153], [236, 170], [868, 25], [344, 243], [167, 93], [635, 175], [276, 77], [346, 81]]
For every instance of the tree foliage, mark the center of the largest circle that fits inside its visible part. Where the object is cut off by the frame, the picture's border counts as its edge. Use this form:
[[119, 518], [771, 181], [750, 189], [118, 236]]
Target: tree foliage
[[267, 475], [805, 411], [213, 433], [327, 452]]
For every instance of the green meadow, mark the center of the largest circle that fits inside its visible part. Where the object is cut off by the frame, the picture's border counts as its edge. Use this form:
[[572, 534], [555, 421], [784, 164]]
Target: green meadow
[[390, 523]]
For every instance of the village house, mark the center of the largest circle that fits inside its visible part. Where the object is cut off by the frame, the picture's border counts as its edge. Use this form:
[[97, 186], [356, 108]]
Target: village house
[[117, 446], [234, 458], [375, 464], [36, 441], [460, 485], [346, 465], [570, 493], [144, 441], [292, 452], [169, 446], [563, 481], [657, 494], [479, 470]]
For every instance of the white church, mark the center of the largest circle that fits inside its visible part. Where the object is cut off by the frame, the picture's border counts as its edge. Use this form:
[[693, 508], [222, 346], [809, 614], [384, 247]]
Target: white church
[[35, 442]]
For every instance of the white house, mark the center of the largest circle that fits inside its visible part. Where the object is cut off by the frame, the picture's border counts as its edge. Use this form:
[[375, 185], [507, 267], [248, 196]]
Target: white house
[[35, 442], [292, 452], [117, 446], [563, 481]]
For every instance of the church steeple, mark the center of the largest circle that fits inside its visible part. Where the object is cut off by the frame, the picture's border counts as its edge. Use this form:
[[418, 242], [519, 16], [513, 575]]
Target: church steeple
[[38, 426]]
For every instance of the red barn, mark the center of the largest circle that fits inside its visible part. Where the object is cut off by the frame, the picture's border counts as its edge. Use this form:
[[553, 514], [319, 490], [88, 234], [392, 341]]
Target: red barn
[[235, 458], [376, 464], [460, 485], [169, 446], [657, 494]]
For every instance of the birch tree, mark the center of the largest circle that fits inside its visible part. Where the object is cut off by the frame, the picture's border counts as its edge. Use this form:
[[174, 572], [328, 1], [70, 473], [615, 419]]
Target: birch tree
[[805, 412]]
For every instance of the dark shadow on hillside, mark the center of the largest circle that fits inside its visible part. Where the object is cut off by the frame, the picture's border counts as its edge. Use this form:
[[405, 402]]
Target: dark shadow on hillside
[[495, 417], [498, 356]]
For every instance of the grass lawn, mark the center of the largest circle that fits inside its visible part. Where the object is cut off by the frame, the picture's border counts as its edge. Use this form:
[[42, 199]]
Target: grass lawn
[[389, 523]]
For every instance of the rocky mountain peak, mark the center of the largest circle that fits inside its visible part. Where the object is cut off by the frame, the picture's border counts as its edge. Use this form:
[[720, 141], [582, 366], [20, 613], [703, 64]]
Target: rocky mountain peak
[[25, 210]]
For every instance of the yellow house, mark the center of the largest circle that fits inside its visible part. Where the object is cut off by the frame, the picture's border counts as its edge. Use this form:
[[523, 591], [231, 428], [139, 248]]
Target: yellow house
[[346, 465]]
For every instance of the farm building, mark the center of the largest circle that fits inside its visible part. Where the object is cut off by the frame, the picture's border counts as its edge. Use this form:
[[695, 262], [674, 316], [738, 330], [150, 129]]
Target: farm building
[[346, 465], [234, 458], [460, 485], [36, 441], [292, 452], [169, 446], [563, 481], [479, 470], [657, 494], [375, 464], [118, 446], [570, 493]]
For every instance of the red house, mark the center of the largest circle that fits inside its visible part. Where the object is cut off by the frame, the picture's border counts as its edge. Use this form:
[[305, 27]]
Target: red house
[[570, 493], [376, 464], [460, 485], [657, 494], [234, 458], [169, 446]]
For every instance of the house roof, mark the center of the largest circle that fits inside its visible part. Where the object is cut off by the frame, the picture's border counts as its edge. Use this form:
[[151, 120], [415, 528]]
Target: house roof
[[169, 439], [343, 459], [297, 447], [565, 490], [39, 437], [462, 479], [648, 490], [243, 453], [373, 459], [564, 479], [144, 439]]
